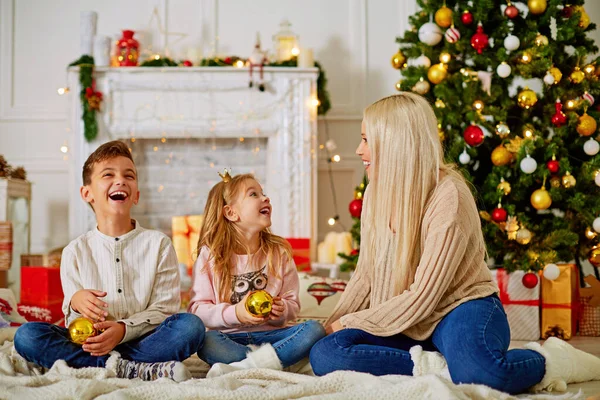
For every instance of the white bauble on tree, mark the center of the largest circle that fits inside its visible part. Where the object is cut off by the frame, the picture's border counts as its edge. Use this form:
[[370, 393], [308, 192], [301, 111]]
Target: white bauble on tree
[[549, 79], [551, 272], [464, 157], [422, 61], [430, 33], [504, 70], [528, 165], [452, 35], [597, 179], [596, 225], [591, 147], [511, 42]]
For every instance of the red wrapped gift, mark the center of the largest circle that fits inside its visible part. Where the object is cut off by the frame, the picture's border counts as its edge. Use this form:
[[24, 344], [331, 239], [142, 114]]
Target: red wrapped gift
[[301, 253], [40, 286], [52, 315]]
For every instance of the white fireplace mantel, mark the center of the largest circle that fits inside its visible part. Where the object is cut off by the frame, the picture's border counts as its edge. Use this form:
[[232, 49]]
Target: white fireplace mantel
[[210, 103]]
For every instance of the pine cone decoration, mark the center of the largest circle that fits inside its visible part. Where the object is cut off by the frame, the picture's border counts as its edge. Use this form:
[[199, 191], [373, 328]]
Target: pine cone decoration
[[4, 167], [18, 173]]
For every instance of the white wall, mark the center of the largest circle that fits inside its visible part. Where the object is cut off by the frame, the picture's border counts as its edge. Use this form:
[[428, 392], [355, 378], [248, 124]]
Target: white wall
[[353, 39]]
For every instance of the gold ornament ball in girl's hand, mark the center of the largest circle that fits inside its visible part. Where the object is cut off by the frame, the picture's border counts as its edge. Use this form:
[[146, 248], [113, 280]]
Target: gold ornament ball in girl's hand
[[80, 329], [259, 303]]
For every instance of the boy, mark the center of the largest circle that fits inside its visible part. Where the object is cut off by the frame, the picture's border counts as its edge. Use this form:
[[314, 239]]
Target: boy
[[124, 278]]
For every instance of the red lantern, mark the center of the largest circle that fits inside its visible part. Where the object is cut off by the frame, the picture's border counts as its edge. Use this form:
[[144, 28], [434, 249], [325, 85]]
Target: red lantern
[[187, 63], [479, 41], [127, 50], [530, 280], [355, 208], [511, 11], [473, 135], [553, 166], [499, 214], [466, 18], [559, 118]]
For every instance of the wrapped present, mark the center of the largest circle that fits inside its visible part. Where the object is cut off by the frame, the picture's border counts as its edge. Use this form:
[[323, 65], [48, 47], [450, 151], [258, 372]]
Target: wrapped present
[[301, 252], [589, 320], [521, 304], [41, 287], [186, 231], [51, 259], [6, 245], [560, 303]]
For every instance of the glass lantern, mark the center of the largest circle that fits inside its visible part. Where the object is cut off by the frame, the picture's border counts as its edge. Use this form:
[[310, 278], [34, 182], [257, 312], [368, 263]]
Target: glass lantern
[[127, 50], [286, 42], [15, 206]]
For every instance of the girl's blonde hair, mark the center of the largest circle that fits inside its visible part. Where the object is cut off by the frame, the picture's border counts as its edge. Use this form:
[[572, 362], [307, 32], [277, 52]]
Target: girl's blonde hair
[[224, 239], [407, 160]]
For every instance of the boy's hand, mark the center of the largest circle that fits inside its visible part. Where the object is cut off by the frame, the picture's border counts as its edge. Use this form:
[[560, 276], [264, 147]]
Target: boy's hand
[[277, 309], [244, 316], [87, 303], [334, 327], [102, 344]]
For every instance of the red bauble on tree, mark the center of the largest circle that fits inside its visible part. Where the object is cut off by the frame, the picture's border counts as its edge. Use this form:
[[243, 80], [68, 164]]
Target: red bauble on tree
[[479, 41], [466, 17], [530, 280], [355, 207], [559, 118], [473, 135], [553, 166], [499, 214], [511, 11]]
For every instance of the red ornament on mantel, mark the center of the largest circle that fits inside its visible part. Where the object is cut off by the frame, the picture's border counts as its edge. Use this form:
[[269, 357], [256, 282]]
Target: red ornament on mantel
[[479, 41], [553, 166], [530, 280], [473, 135], [355, 208], [187, 63], [128, 50], [499, 214], [354, 252], [511, 11], [559, 118], [466, 18]]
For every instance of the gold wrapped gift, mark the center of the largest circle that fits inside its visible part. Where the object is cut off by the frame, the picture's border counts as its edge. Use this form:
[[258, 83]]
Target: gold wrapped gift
[[186, 230], [560, 303]]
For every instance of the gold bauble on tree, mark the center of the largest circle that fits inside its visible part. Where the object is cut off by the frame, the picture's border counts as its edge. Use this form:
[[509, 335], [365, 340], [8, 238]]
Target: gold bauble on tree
[[259, 303], [577, 76], [568, 180], [527, 98], [541, 40], [590, 70], [80, 329], [584, 19], [586, 125], [594, 256], [437, 73], [556, 74], [421, 87], [555, 182], [399, 60], [502, 130], [399, 85], [537, 6], [501, 156], [590, 233], [504, 186], [540, 199], [443, 17], [524, 236], [441, 133]]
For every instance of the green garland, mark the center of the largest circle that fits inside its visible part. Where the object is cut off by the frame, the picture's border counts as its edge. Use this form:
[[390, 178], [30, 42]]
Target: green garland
[[86, 70], [160, 62]]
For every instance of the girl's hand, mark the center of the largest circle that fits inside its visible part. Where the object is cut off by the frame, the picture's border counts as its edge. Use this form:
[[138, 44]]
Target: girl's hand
[[244, 316], [277, 309], [334, 327]]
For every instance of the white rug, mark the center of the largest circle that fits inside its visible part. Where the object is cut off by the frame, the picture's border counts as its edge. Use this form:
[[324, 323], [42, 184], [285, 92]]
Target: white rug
[[22, 380]]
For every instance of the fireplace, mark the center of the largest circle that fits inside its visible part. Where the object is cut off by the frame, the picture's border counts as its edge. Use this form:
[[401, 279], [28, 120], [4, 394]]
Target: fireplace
[[184, 125]]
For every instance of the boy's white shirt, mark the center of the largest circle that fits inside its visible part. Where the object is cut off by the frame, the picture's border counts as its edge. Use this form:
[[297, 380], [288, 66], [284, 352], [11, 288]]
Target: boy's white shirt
[[146, 274]]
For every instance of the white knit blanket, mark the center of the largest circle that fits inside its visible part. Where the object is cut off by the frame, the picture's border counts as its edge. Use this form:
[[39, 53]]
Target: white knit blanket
[[22, 380]]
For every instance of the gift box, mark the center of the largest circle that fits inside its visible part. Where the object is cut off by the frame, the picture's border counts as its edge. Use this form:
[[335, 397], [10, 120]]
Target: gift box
[[521, 304], [186, 231], [589, 319], [301, 253], [560, 303], [41, 287]]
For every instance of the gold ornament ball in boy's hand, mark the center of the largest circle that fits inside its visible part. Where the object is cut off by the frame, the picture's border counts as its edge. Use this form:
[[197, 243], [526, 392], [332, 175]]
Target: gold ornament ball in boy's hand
[[80, 329], [259, 303]]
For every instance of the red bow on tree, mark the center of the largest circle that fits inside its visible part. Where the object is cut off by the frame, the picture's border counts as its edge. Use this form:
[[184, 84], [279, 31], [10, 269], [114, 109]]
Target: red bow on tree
[[93, 97]]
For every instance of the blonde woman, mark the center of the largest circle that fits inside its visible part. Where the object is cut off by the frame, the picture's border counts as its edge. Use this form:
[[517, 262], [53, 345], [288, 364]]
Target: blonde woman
[[421, 277], [237, 255]]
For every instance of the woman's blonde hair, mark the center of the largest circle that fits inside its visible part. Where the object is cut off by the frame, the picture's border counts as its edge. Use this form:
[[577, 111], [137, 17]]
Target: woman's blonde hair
[[407, 160], [224, 239]]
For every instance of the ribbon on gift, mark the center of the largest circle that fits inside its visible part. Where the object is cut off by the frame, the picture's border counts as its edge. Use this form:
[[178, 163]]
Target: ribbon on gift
[[501, 277]]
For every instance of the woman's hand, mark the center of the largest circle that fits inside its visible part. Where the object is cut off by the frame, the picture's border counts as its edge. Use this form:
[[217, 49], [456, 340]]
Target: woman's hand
[[334, 327]]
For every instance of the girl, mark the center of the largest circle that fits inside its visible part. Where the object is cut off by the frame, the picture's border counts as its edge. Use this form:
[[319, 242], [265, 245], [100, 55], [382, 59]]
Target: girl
[[421, 277], [237, 254]]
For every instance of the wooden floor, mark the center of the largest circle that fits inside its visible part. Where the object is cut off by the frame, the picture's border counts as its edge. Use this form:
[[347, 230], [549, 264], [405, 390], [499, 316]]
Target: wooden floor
[[590, 390]]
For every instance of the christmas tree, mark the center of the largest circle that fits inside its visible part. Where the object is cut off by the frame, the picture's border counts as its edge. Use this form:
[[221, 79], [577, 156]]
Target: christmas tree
[[355, 208], [514, 93]]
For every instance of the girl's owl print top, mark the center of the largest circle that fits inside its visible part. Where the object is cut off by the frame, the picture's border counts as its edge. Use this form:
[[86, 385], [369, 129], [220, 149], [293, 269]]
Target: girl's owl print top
[[218, 315]]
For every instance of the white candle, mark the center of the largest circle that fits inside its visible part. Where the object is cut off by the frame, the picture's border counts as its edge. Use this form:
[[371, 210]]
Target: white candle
[[306, 58]]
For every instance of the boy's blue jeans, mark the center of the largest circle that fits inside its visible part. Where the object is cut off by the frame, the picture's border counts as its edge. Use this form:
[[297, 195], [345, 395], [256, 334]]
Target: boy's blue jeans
[[474, 339], [291, 344], [175, 339]]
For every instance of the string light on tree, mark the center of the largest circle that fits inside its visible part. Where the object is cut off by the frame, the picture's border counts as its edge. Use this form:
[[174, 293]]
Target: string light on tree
[[528, 131], [590, 70], [526, 57], [590, 234], [445, 57], [63, 90], [478, 105], [331, 221], [502, 130]]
